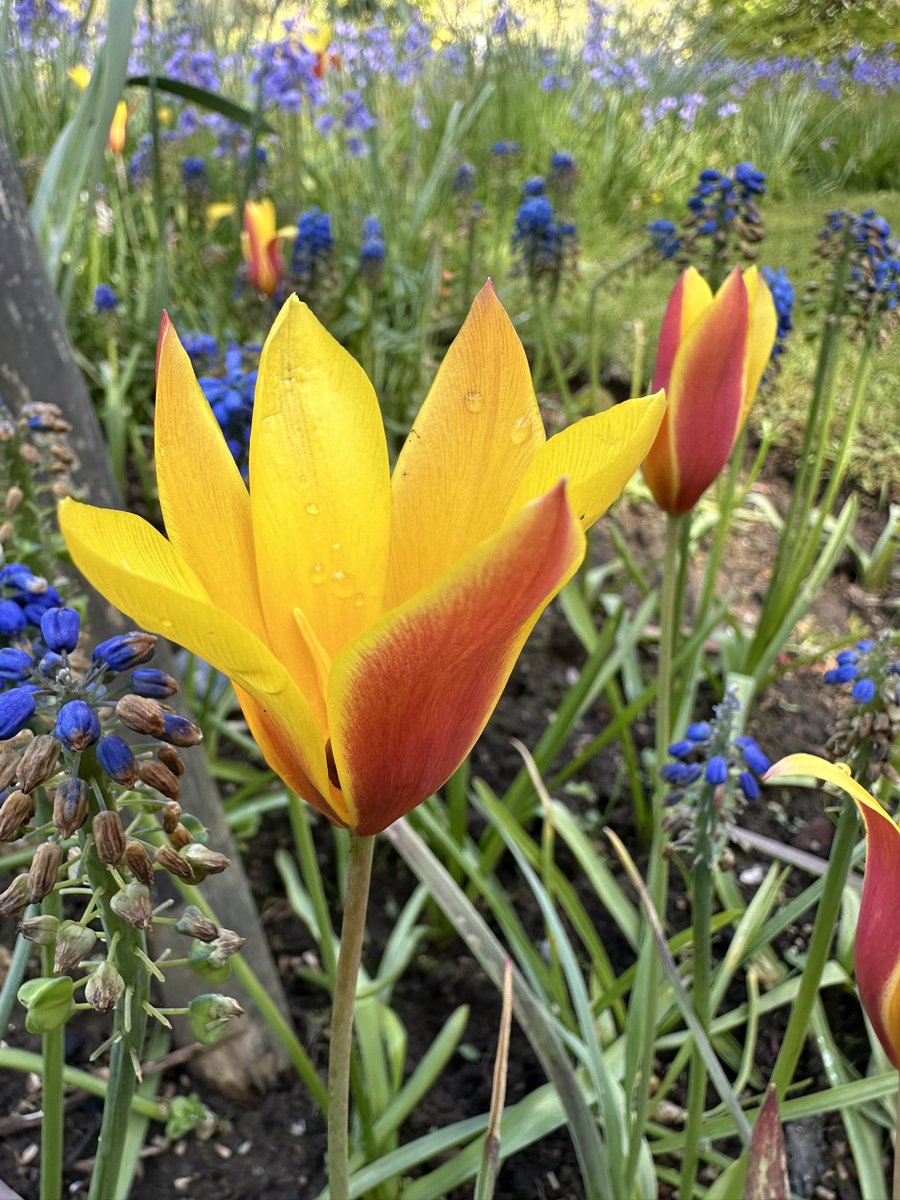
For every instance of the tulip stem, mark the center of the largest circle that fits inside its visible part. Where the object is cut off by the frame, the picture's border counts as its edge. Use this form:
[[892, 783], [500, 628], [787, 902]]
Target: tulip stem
[[53, 1052], [353, 928]]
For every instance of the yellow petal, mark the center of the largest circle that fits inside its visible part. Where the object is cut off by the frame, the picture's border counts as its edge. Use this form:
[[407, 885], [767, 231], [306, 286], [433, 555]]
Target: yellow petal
[[762, 328], [467, 452], [205, 504], [316, 41], [143, 575], [80, 76], [218, 211], [834, 773], [696, 297], [596, 456], [319, 486]]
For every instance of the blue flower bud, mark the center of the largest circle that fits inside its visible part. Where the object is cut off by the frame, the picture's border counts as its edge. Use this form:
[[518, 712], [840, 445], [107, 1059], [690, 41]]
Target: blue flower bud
[[115, 757], [16, 710], [692, 772], [753, 756], [125, 651], [681, 749], [60, 627], [148, 681], [865, 646], [12, 619], [699, 731], [77, 725], [673, 772], [864, 691], [842, 674], [748, 785], [847, 656], [15, 664], [716, 770], [50, 663], [179, 731]]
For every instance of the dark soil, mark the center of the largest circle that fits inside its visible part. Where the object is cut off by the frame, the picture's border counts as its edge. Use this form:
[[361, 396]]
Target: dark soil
[[273, 1147]]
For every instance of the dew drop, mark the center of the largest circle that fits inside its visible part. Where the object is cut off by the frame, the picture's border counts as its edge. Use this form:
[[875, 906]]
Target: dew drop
[[312, 509], [341, 584], [473, 401], [317, 574], [359, 600], [520, 430]]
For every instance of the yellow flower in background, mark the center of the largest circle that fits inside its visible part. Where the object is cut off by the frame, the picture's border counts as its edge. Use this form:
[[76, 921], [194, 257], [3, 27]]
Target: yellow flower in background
[[876, 951], [217, 212], [369, 623], [259, 245], [80, 76]]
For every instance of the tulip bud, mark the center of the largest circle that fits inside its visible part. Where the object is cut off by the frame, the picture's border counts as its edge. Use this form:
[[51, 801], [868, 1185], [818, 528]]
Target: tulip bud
[[15, 899], [172, 862], [48, 1002], [193, 923], [109, 837], [60, 627], [209, 1014], [77, 725], [125, 651], [170, 758], [179, 731], [70, 806], [41, 930], [38, 761], [74, 942], [150, 682], [104, 988], [44, 869], [117, 760], [17, 809], [15, 664], [133, 905], [141, 715], [17, 707], [139, 863], [158, 776]]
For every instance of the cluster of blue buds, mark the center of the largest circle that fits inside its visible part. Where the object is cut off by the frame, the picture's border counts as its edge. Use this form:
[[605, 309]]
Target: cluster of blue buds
[[563, 173], [313, 246], [664, 238], [783, 297], [871, 729], [231, 398], [371, 251], [506, 150], [200, 347], [544, 248], [195, 176], [715, 770], [25, 599], [464, 179], [724, 204], [105, 299], [873, 279]]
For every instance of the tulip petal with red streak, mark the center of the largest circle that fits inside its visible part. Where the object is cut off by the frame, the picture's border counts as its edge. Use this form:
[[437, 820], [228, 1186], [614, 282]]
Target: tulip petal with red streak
[[408, 699], [876, 952]]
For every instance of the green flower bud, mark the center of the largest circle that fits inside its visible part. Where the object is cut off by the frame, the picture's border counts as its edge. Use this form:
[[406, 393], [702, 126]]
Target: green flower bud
[[209, 1015], [48, 1001], [74, 942], [209, 966], [40, 930]]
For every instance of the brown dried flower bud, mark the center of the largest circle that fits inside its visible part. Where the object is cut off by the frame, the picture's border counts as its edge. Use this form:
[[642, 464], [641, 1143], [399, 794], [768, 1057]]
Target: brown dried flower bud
[[156, 775], [139, 863], [104, 988], [170, 758], [180, 837], [133, 905], [224, 946], [44, 869], [16, 810], [193, 923], [64, 453], [109, 837], [14, 498], [29, 454], [7, 532], [61, 488], [171, 861], [9, 765], [70, 806], [205, 861], [15, 899], [171, 814], [38, 761], [141, 714], [74, 942]]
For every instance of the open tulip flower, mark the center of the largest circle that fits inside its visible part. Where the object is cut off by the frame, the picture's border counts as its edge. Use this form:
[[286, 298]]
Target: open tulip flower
[[711, 356], [876, 952], [368, 623]]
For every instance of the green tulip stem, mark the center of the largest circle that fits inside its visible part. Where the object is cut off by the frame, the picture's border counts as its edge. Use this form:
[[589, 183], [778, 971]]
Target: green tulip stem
[[353, 928], [701, 909], [53, 1052]]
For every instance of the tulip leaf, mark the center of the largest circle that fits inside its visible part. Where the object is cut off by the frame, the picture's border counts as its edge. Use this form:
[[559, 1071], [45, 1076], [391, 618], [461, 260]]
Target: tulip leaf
[[211, 101], [767, 1174]]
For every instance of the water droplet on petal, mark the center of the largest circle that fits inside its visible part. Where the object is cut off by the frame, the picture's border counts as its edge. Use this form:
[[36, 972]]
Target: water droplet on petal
[[473, 401], [521, 430], [341, 584], [359, 600], [312, 509], [317, 573]]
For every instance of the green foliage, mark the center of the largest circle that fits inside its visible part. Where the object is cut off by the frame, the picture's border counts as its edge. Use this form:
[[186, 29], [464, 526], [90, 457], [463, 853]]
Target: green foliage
[[757, 28]]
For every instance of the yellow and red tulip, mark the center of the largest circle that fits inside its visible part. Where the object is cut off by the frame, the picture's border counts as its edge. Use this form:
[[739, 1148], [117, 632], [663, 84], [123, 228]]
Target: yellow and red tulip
[[115, 141], [259, 243], [876, 952], [368, 623], [711, 356]]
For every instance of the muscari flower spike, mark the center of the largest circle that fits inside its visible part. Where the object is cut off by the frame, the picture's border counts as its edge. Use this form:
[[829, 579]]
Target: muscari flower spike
[[876, 951], [369, 647]]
